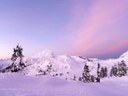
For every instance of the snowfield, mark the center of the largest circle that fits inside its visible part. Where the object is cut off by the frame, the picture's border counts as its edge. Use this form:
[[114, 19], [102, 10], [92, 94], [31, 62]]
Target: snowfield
[[59, 79], [68, 66], [21, 85]]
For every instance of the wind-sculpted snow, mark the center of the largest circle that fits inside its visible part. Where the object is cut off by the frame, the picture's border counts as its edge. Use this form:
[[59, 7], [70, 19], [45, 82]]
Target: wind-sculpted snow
[[21, 85]]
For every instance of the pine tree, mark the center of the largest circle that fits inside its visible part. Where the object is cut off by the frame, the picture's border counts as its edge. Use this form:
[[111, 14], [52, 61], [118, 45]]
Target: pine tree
[[17, 54], [105, 72], [102, 72], [86, 75], [111, 72], [98, 73], [122, 68], [98, 70], [114, 71]]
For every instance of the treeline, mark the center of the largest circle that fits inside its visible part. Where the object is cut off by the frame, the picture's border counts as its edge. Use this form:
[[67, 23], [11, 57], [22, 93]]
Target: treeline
[[117, 70]]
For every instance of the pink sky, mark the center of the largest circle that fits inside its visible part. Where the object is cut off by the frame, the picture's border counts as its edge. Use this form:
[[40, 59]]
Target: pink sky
[[101, 26], [93, 28]]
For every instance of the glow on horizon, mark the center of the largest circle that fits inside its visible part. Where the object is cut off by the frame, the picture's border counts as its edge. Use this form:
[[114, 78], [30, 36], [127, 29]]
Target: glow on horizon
[[94, 28]]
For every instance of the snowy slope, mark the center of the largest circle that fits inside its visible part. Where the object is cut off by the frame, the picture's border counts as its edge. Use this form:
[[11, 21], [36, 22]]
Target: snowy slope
[[34, 83], [66, 66], [21, 85], [4, 63], [63, 66]]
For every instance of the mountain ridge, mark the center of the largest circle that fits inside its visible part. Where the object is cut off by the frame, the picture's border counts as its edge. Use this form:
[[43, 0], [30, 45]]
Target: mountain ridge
[[64, 66]]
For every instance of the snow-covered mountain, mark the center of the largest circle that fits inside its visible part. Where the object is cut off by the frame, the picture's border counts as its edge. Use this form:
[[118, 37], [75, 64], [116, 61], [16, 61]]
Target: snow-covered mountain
[[63, 66], [124, 56]]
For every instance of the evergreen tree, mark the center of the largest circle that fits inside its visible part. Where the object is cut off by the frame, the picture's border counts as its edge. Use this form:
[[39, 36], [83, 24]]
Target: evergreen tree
[[122, 68], [119, 70], [102, 72], [86, 74], [105, 72], [98, 70], [98, 73], [17, 65], [114, 71], [86, 77]]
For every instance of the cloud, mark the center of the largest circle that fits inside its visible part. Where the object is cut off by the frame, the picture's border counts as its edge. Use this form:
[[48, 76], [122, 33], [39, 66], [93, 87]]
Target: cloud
[[92, 34]]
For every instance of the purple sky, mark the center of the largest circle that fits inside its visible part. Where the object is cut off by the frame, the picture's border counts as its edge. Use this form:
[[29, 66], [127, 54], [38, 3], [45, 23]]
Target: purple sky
[[92, 28]]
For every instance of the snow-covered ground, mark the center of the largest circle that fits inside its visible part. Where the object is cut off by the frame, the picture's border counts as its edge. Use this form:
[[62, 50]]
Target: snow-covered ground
[[59, 80], [21, 85], [68, 66]]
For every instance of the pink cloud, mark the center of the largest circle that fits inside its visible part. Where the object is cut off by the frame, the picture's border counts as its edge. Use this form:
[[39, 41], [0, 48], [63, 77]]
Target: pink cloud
[[115, 48], [103, 14]]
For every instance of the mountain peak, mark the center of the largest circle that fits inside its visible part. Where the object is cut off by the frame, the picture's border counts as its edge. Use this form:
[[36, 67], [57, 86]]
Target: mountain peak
[[44, 53], [124, 54]]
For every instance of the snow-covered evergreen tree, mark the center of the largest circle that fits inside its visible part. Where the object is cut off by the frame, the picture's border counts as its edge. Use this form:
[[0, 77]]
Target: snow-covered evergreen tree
[[119, 70], [17, 59], [122, 69]]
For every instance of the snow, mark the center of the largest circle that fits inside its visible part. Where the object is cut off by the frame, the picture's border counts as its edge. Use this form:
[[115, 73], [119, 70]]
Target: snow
[[68, 66], [21, 85], [30, 82], [62, 64], [43, 54], [124, 55], [4, 63]]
